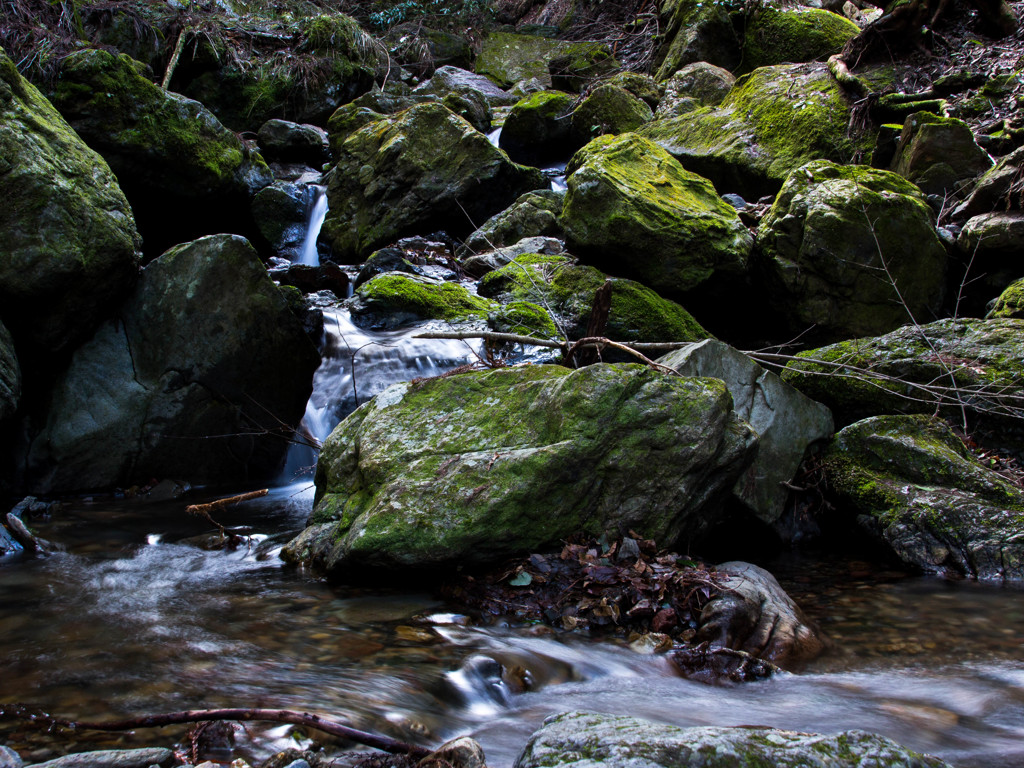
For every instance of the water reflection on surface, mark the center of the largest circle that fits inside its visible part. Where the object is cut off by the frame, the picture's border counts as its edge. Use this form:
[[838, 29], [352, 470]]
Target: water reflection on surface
[[132, 621]]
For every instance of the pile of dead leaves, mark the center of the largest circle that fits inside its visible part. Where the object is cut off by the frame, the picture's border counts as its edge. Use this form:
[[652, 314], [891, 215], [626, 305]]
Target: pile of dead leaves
[[626, 587]]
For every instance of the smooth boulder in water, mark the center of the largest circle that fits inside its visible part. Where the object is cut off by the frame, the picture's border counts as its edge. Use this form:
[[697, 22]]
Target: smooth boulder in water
[[485, 465], [591, 740], [200, 378], [70, 249]]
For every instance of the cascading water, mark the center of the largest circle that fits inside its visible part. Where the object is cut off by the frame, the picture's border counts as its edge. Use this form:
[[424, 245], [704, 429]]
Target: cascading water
[[316, 213]]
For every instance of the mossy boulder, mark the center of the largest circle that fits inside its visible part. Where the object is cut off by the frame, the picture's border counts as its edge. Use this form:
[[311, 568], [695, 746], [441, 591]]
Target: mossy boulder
[[607, 109], [534, 214], [590, 740], [566, 289], [914, 484], [423, 49], [787, 422], [997, 188], [696, 31], [293, 142], [330, 61], [633, 210], [1010, 302], [793, 35], [185, 174], [70, 250], [938, 154], [393, 299], [990, 245], [525, 319], [505, 462], [644, 87], [508, 58], [850, 251], [700, 82], [775, 120], [448, 80], [537, 129], [10, 375], [345, 121], [904, 372], [580, 64], [194, 380], [424, 167]]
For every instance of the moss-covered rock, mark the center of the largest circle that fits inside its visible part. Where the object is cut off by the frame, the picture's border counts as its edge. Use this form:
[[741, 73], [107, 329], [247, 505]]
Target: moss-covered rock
[[990, 243], [995, 189], [291, 142], [345, 121], [525, 319], [449, 80], [330, 61], [644, 87], [589, 740], [835, 242], [699, 83], [537, 129], [793, 35], [194, 380], [775, 120], [636, 313], [632, 210], [696, 31], [508, 58], [534, 214], [424, 167], [938, 154], [393, 299], [423, 49], [507, 462], [1010, 302], [607, 109], [10, 375], [916, 486], [903, 371], [185, 174], [70, 249], [579, 64]]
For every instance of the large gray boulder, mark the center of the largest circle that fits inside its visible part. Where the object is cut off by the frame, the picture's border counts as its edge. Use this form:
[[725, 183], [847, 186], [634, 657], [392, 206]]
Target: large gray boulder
[[633, 210], [913, 484], [787, 422], [198, 379], [850, 251], [590, 740], [510, 461], [424, 167], [70, 247], [185, 174]]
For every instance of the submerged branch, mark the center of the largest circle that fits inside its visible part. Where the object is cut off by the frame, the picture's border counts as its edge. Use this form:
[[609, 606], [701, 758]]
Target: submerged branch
[[305, 719]]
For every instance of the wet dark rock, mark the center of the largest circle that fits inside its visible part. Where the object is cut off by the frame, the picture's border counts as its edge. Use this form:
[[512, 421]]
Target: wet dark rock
[[752, 613], [112, 758], [537, 129], [991, 243], [999, 188], [70, 250], [203, 371], [574, 70], [285, 141], [185, 174], [532, 215], [590, 740], [695, 31], [915, 486], [280, 214], [385, 260], [310, 279], [720, 666], [607, 109]]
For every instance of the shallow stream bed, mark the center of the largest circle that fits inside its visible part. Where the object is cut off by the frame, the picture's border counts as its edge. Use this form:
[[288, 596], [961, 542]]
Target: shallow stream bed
[[130, 622]]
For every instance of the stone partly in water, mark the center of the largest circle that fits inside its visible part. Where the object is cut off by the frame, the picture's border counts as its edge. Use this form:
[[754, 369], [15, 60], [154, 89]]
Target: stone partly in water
[[510, 461], [632, 210], [70, 249], [112, 758], [787, 422], [196, 380], [537, 129], [850, 251], [916, 486], [591, 740], [425, 167], [755, 615], [961, 365], [775, 120], [185, 174], [392, 299]]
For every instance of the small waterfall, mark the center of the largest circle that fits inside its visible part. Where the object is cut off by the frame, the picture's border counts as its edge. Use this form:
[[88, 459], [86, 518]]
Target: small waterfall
[[494, 136], [316, 213]]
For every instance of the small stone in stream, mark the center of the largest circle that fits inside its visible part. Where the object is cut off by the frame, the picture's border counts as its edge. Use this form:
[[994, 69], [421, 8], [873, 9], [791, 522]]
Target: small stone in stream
[[9, 758], [114, 758], [652, 642], [300, 763], [462, 752], [715, 666]]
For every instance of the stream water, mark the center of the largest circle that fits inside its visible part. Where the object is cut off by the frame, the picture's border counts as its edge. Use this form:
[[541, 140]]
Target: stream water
[[135, 618]]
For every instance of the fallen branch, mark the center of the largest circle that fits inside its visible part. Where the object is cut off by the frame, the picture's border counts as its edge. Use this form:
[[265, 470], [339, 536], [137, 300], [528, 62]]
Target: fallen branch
[[205, 509], [305, 719], [514, 338]]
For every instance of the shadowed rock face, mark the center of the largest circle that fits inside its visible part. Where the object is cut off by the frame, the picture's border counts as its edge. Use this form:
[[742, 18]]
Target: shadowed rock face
[[70, 247], [510, 461], [197, 379]]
